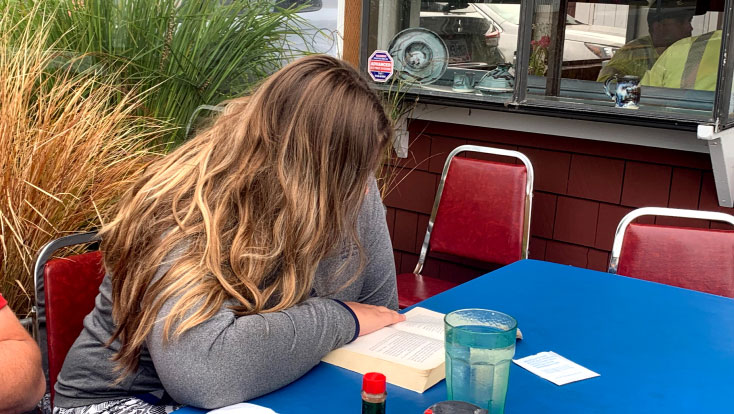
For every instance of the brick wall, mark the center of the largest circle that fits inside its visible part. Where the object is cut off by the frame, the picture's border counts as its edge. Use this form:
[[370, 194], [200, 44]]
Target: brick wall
[[582, 190]]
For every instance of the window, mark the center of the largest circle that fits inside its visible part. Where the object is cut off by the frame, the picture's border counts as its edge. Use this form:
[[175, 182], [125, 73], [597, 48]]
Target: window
[[467, 42], [305, 5], [668, 51], [559, 55]]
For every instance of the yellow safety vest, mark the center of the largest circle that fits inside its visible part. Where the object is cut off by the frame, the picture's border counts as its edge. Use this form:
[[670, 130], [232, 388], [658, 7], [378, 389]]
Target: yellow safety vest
[[635, 58], [690, 63]]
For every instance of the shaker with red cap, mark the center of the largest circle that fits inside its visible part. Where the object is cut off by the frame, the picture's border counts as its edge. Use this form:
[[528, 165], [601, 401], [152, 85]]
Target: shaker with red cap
[[373, 393]]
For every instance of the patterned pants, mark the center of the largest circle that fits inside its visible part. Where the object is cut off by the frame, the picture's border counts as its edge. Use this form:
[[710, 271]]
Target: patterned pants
[[123, 406]]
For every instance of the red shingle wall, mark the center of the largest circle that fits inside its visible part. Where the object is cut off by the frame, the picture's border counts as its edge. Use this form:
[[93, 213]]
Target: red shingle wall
[[582, 190]]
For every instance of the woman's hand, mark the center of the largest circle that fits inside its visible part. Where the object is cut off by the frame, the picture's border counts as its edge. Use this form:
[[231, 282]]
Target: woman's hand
[[372, 318]]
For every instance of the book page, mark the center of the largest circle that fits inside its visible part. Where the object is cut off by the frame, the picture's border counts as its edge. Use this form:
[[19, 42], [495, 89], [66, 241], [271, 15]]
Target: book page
[[409, 353], [424, 322], [399, 346]]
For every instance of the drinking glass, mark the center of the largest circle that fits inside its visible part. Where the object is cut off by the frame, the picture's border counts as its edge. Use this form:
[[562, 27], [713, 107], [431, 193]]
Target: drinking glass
[[480, 344]]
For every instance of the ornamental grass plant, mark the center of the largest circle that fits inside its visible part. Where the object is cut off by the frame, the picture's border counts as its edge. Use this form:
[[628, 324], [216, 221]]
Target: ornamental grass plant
[[399, 109], [70, 144], [193, 52]]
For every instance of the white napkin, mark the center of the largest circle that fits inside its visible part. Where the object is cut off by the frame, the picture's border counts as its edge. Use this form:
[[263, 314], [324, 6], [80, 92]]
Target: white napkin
[[243, 408], [555, 368]]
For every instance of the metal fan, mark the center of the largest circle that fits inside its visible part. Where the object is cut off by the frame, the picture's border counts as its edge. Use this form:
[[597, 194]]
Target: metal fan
[[420, 55]]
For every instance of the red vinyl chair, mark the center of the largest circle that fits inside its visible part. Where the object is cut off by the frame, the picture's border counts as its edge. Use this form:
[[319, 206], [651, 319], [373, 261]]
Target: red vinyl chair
[[481, 212], [65, 292], [692, 258]]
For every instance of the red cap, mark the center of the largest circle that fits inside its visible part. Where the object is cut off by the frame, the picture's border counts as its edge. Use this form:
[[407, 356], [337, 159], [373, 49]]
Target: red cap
[[373, 383]]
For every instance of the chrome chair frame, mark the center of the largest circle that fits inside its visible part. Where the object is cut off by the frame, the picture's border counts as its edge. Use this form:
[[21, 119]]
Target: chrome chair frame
[[38, 311], [192, 118], [658, 211], [485, 150]]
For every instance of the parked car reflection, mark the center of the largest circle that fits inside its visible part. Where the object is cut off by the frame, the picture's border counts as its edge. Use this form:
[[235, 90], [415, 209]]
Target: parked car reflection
[[481, 35], [319, 31]]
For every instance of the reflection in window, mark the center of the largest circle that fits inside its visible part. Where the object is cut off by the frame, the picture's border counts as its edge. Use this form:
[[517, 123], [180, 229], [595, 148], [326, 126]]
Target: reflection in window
[[589, 42], [690, 63], [471, 36], [666, 24], [671, 44], [302, 5], [668, 48], [480, 39]]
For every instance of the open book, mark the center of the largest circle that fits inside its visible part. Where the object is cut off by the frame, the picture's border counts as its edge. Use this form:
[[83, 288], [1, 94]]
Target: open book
[[409, 353]]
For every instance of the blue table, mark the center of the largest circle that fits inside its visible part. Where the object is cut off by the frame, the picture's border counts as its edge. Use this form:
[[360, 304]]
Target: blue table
[[659, 349]]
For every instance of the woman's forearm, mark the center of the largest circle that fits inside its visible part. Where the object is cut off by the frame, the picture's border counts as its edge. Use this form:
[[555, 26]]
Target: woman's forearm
[[229, 359]]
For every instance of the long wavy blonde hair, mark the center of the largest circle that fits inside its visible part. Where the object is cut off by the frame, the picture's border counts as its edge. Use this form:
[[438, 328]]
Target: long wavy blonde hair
[[253, 204]]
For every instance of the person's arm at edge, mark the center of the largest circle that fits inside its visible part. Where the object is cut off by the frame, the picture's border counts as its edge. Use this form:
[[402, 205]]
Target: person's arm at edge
[[228, 359], [380, 285], [623, 61], [379, 295], [22, 383], [615, 66]]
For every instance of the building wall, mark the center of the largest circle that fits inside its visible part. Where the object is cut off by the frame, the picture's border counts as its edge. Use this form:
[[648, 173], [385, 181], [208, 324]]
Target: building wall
[[582, 189], [601, 14], [620, 16]]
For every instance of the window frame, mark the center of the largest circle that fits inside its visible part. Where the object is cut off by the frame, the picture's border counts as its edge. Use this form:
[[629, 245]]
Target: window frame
[[523, 102], [722, 101]]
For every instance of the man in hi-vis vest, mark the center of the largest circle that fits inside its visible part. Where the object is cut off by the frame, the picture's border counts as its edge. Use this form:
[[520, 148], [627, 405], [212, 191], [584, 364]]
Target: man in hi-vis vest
[[690, 63], [668, 21]]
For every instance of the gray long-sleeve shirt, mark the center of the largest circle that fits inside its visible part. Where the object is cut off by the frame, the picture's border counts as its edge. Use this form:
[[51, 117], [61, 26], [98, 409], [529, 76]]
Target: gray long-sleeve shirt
[[230, 359]]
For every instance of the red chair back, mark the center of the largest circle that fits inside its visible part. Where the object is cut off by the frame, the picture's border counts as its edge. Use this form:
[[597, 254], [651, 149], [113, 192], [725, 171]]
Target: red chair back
[[71, 285], [691, 258], [481, 213]]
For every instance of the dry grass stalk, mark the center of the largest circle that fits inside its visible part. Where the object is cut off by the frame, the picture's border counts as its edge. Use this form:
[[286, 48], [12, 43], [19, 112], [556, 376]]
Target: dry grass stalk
[[399, 109], [67, 150]]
